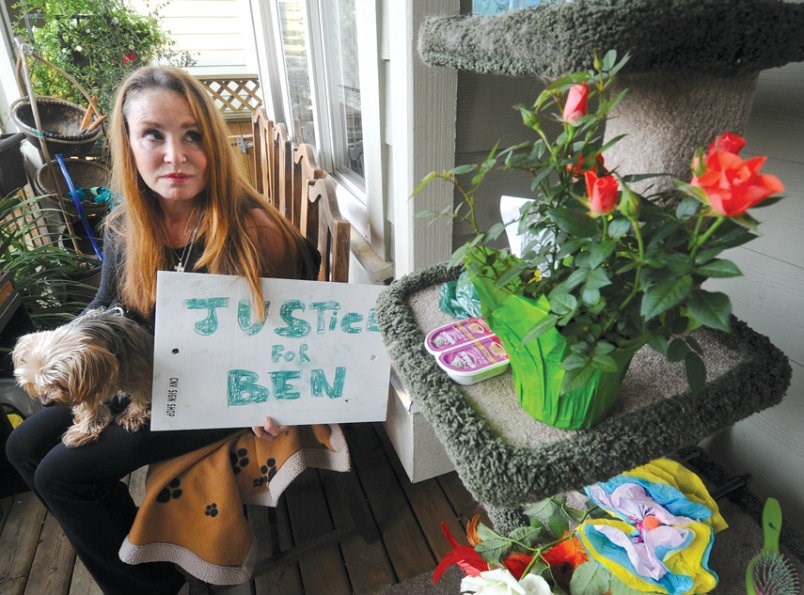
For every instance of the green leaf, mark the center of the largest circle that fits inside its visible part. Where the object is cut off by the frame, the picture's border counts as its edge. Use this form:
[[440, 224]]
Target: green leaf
[[596, 279], [718, 268], [528, 536], [677, 350], [463, 169], [605, 363], [665, 295], [425, 180], [573, 222], [687, 208], [590, 578], [618, 228], [562, 303], [600, 253], [575, 361], [620, 588], [543, 509], [590, 297], [558, 523], [711, 308], [494, 549], [696, 372]]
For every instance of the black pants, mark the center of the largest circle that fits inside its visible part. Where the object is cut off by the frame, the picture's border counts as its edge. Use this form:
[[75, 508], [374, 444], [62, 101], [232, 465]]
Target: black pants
[[81, 487]]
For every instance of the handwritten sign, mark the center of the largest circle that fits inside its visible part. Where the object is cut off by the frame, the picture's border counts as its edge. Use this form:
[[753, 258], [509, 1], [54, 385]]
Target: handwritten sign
[[318, 356]]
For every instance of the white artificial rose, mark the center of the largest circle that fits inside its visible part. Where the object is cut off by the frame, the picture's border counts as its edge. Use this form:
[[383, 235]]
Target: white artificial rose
[[502, 582]]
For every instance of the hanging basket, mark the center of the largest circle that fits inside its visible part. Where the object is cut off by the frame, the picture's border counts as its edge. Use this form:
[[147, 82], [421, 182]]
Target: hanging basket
[[61, 125], [84, 174]]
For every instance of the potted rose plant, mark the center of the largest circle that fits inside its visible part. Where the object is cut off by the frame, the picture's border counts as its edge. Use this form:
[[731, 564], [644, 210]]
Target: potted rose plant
[[604, 270]]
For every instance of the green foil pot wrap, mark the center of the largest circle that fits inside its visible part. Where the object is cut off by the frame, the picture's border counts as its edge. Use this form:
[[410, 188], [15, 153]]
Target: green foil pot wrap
[[536, 365]]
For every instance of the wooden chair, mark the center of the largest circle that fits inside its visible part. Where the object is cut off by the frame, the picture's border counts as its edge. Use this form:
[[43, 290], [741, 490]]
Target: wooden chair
[[304, 174], [260, 124], [333, 231]]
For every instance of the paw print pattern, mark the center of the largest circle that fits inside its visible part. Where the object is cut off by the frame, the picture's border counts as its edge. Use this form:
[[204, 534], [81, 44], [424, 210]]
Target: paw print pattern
[[268, 471], [239, 459], [170, 492], [212, 510]]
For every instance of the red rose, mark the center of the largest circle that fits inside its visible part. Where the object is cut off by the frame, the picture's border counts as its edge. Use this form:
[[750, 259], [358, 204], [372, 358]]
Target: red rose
[[728, 142], [733, 186], [575, 108], [602, 192]]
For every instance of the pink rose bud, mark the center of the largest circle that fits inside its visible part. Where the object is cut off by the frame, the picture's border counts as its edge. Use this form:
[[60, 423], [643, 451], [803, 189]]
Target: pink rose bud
[[602, 193], [575, 108]]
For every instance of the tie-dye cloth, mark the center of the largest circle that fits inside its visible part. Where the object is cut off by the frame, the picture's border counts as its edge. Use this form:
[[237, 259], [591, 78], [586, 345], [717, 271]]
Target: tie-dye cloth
[[192, 513], [663, 534]]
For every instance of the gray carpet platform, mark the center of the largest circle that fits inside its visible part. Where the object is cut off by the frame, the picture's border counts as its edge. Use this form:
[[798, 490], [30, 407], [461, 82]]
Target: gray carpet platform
[[506, 458]]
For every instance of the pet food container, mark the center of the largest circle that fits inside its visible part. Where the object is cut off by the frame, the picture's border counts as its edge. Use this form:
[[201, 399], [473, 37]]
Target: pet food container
[[473, 362], [456, 333]]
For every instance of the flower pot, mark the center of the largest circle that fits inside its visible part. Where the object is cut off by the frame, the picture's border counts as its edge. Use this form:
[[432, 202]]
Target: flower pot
[[84, 174], [61, 123], [536, 365], [12, 170]]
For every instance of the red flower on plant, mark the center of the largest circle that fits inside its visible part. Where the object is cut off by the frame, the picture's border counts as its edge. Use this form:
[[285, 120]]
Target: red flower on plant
[[575, 108], [580, 166], [130, 57], [602, 192], [728, 142], [733, 185]]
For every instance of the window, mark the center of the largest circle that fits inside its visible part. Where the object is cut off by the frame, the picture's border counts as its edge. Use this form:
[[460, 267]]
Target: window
[[318, 66]]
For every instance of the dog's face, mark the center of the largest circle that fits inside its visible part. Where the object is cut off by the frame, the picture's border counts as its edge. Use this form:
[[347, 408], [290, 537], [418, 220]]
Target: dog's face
[[64, 366]]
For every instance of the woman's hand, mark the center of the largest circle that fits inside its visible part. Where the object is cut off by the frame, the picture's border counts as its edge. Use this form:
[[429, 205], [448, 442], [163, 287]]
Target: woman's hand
[[269, 430]]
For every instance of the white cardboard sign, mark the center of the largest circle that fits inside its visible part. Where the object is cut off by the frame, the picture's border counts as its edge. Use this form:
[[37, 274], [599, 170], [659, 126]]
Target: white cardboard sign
[[317, 358]]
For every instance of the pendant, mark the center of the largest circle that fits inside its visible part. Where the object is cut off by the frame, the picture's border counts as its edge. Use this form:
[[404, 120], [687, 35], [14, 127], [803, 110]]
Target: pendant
[[179, 268]]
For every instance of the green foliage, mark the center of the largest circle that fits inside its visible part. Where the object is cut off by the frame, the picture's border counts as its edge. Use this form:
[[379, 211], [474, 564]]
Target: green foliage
[[614, 276], [48, 273], [99, 42]]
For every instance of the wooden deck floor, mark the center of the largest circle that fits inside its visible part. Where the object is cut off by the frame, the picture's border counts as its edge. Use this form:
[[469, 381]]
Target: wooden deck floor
[[36, 559]]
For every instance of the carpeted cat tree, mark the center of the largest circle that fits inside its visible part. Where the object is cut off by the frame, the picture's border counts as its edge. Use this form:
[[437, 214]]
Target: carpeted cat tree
[[692, 73]]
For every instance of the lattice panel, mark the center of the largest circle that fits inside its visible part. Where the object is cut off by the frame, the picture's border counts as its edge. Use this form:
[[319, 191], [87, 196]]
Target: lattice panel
[[234, 96]]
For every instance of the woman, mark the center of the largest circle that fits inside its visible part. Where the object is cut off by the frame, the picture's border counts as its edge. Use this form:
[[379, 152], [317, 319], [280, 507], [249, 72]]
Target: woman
[[184, 207]]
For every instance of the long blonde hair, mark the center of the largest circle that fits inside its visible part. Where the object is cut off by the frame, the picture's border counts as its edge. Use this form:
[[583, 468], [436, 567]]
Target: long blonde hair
[[225, 204]]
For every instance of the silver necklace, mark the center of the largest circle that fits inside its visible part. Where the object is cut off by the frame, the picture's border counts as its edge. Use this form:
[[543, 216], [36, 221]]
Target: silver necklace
[[186, 252]]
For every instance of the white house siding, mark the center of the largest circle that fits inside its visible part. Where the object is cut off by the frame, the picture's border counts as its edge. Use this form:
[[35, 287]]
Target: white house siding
[[770, 296], [216, 32]]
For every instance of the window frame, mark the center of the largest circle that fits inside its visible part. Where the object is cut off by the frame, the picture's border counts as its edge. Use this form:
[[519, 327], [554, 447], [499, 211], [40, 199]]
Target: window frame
[[364, 207]]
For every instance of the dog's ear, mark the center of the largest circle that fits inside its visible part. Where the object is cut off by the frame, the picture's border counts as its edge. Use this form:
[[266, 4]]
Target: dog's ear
[[22, 349], [94, 374]]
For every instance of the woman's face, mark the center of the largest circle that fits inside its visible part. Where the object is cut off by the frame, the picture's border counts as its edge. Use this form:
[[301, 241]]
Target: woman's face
[[166, 143]]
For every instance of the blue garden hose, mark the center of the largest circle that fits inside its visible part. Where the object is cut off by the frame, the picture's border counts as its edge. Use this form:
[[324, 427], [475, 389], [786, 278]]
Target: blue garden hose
[[77, 200]]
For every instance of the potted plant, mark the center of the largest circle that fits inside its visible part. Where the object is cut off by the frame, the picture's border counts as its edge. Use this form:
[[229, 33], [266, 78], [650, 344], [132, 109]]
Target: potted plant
[[96, 41], [604, 270], [54, 281]]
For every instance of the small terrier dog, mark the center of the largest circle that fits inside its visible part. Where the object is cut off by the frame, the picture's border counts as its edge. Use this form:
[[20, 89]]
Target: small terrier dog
[[101, 354]]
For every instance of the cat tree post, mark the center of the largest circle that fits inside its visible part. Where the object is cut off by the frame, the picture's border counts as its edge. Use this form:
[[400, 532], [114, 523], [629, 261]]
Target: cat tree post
[[692, 73]]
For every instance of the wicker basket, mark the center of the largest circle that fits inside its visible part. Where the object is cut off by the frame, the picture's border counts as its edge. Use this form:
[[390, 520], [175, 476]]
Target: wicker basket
[[84, 174], [61, 121]]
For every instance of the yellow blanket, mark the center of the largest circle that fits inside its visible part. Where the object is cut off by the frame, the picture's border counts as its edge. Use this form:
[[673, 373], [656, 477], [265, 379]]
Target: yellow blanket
[[192, 513]]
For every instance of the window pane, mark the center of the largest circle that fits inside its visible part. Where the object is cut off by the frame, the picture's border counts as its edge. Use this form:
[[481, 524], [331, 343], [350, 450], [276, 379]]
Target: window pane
[[344, 78], [294, 45]]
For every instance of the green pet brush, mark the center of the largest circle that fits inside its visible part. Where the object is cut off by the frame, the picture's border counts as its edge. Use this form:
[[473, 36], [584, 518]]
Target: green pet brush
[[770, 573]]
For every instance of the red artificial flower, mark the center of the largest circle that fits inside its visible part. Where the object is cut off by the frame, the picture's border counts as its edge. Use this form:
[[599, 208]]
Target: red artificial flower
[[733, 186], [575, 108], [516, 564], [728, 142], [464, 556], [130, 57], [570, 552], [602, 192]]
